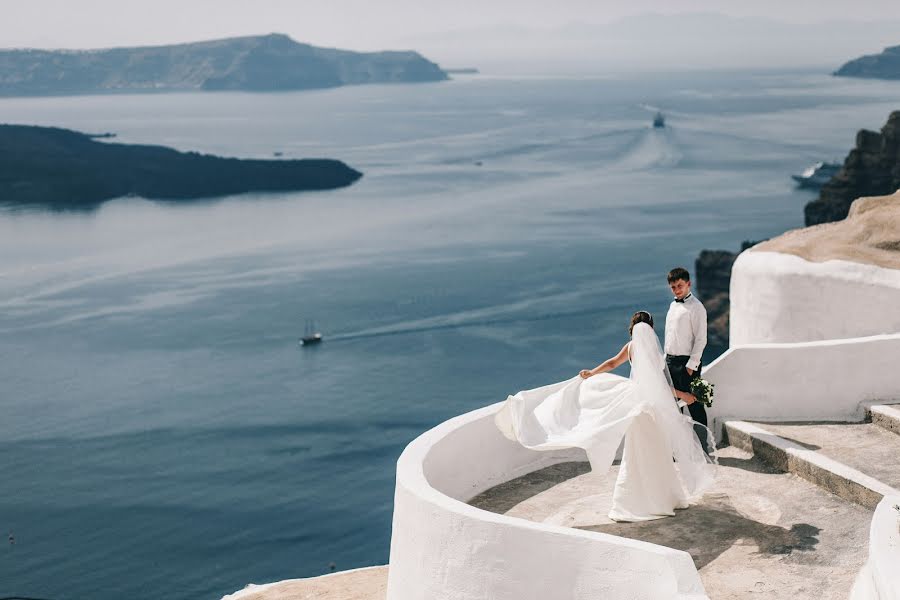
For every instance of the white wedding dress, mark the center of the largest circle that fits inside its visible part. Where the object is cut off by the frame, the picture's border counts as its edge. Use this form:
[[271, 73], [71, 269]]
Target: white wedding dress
[[596, 413]]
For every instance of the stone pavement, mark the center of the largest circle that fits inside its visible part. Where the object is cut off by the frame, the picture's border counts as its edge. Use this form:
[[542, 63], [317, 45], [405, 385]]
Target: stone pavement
[[759, 534]]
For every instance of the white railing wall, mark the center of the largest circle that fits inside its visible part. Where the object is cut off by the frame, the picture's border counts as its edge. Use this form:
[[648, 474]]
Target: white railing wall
[[806, 381], [443, 549], [879, 579]]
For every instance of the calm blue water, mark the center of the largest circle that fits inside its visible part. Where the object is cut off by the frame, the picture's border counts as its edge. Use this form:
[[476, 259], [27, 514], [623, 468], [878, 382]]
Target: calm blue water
[[162, 434]]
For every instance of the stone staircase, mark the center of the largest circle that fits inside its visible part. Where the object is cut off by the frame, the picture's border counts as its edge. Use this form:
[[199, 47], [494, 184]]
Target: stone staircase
[[859, 462]]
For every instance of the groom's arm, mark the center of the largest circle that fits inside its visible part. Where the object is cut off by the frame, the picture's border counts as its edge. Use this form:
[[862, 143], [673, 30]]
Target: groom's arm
[[698, 323]]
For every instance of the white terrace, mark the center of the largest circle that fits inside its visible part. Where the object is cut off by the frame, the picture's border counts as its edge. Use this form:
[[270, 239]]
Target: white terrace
[[810, 464]]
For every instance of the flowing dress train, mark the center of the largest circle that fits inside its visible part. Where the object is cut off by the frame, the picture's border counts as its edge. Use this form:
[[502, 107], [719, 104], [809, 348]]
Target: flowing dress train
[[663, 465]]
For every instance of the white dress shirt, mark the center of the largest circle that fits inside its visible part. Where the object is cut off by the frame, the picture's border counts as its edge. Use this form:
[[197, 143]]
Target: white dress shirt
[[686, 330]]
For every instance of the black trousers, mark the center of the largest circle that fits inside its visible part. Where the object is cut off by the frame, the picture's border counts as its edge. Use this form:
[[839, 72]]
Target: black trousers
[[682, 381]]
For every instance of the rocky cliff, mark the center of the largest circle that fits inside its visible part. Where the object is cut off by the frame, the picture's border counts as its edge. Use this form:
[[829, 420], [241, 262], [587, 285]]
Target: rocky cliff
[[712, 272], [871, 169], [256, 63], [869, 235]]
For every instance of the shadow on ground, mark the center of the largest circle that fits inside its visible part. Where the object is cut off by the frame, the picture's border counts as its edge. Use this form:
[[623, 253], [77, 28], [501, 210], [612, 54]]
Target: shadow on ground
[[747, 464], [502, 498], [709, 529]]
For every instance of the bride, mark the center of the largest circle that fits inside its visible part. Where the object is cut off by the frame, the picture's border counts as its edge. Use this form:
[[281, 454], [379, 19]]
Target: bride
[[596, 409]]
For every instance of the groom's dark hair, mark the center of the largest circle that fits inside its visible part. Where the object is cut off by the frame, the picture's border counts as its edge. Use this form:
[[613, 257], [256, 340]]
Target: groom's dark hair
[[641, 316], [679, 273]]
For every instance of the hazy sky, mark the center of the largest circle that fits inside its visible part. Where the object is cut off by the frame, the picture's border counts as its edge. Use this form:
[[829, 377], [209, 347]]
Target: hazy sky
[[362, 24], [482, 30]]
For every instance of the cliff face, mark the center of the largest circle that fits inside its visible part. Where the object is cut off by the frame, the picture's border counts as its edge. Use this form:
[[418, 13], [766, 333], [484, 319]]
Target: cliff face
[[871, 169], [713, 277], [712, 271], [62, 169], [257, 63], [875, 66]]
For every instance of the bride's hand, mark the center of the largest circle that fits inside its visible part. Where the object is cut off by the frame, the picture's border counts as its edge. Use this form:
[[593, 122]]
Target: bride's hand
[[585, 374], [689, 399]]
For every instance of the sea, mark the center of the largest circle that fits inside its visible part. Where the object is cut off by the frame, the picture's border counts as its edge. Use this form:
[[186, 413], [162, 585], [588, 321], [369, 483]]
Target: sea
[[162, 432]]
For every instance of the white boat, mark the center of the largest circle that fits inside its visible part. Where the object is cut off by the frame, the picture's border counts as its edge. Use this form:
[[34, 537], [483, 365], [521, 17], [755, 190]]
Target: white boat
[[817, 175]]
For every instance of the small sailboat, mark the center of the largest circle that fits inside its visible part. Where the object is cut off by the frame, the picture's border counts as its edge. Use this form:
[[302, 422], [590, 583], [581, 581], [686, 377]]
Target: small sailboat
[[310, 335]]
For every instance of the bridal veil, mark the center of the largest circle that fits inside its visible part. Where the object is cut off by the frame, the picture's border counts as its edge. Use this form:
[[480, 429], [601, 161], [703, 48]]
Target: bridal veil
[[596, 413]]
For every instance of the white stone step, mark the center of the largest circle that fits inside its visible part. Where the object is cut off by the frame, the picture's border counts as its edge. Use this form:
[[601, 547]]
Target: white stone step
[[855, 461], [885, 415]]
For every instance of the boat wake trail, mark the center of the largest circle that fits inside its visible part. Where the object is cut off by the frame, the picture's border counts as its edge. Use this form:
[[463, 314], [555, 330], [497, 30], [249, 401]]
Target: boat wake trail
[[654, 149], [458, 321], [545, 307]]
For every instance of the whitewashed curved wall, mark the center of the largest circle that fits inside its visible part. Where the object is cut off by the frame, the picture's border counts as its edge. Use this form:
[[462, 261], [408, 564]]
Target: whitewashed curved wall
[[444, 549], [816, 381], [783, 298], [279, 589], [880, 577]]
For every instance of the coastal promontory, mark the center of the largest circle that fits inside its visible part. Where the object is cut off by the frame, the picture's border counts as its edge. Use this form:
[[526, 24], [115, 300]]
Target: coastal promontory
[[60, 168], [273, 62], [874, 66]]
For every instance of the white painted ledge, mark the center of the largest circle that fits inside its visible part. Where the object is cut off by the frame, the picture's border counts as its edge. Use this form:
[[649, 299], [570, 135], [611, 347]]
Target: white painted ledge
[[444, 549], [879, 579], [782, 298], [830, 380]]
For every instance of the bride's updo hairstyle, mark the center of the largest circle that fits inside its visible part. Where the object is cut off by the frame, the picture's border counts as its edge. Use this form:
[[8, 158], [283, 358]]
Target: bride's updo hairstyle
[[641, 316]]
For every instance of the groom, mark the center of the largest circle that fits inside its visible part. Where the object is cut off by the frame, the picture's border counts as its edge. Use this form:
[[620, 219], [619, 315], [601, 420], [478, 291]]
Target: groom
[[685, 341]]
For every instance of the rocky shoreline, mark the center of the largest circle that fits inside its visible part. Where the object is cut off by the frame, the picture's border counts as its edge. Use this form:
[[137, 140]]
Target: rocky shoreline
[[872, 168]]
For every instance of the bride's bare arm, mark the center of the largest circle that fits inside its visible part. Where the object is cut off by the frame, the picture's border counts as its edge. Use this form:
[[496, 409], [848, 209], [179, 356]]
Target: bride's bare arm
[[688, 397], [607, 365]]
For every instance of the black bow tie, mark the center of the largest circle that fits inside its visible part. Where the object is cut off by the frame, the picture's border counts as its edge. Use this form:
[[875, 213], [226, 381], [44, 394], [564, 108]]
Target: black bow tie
[[681, 300]]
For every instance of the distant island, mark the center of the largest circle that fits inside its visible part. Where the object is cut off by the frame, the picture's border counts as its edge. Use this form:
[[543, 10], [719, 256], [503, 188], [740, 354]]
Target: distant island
[[462, 71], [874, 66], [271, 62], [62, 169]]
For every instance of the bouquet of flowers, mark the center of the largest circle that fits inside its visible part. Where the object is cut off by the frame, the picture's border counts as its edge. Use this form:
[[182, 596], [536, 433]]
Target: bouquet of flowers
[[703, 391]]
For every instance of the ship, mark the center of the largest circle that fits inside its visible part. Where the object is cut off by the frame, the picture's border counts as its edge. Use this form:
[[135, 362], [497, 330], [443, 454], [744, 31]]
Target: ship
[[659, 121], [817, 175], [310, 335]]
